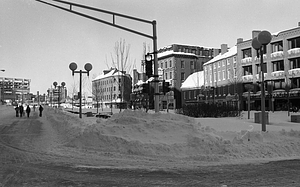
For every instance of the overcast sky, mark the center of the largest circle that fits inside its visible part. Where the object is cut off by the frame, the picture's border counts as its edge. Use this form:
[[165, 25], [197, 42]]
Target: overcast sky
[[38, 42]]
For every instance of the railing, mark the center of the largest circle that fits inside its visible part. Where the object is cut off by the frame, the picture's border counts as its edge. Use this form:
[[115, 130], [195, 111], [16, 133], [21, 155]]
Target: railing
[[293, 52], [277, 54], [247, 78]]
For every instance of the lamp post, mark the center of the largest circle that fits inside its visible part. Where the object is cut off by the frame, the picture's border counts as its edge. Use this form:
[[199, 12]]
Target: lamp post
[[62, 85], [88, 67], [258, 43]]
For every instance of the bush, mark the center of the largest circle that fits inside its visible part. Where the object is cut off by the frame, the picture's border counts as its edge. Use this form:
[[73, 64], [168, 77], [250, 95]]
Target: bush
[[209, 110]]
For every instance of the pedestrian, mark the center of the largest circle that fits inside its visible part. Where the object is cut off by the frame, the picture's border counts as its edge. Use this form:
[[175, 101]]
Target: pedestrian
[[28, 111], [21, 108], [17, 110], [34, 108], [41, 110]]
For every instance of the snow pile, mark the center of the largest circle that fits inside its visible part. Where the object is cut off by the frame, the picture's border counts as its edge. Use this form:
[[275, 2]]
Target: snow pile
[[177, 136]]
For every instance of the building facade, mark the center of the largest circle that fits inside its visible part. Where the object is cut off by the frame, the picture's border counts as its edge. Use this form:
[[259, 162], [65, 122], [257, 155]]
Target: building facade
[[14, 90], [112, 89], [281, 61], [176, 62]]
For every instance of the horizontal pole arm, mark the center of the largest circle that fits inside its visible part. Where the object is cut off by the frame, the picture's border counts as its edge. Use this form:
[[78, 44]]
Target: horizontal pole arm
[[104, 11], [99, 20]]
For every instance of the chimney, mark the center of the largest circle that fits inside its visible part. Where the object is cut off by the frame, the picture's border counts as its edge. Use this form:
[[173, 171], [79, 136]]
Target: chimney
[[224, 48], [239, 40], [255, 33]]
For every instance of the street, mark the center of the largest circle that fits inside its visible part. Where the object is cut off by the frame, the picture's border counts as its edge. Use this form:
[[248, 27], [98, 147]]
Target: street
[[27, 158]]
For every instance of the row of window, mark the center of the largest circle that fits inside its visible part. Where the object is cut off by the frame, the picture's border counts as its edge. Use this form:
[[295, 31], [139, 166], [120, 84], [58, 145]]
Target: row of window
[[109, 97], [276, 66], [275, 47], [108, 81]]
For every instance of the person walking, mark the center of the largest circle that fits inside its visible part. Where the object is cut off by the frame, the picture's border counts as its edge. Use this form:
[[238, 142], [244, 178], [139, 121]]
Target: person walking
[[28, 111], [34, 108], [41, 110], [21, 108], [17, 110]]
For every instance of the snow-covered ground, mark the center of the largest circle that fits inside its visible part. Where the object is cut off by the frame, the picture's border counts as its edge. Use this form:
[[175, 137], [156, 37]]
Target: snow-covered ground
[[168, 139]]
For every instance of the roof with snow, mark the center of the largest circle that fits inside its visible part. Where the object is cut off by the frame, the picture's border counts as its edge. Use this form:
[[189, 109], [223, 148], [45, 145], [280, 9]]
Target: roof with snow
[[195, 80], [112, 72], [231, 52]]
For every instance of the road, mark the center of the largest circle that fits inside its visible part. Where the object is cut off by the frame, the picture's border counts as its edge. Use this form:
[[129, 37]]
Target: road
[[26, 159]]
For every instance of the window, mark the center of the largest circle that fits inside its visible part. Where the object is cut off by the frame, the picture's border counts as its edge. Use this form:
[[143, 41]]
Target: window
[[166, 75], [294, 43], [228, 73], [234, 72], [214, 65], [210, 67], [171, 75], [246, 53], [234, 59], [182, 64], [277, 46], [192, 64], [194, 51], [219, 75], [219, 64], [264, 52], [162, 65], [228, 62], [223, 62], [215, 77], [247, 70], [258, 68], [182, 76], [278, 65], [170, 63], [295, 63], [223, 74], [210, 78], [166, 64]]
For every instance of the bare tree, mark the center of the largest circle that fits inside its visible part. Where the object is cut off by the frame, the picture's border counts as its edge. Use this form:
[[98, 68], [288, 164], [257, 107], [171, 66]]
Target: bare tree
[[73, 91], [121, 61]]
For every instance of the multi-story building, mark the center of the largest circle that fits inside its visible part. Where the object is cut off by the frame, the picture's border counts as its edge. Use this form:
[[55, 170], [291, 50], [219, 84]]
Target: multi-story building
[[14, 89], [281, 61], [220, 76], [177, 62], [112, 89]]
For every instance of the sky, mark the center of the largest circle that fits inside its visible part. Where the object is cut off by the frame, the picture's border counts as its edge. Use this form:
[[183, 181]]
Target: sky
[[38, 42]]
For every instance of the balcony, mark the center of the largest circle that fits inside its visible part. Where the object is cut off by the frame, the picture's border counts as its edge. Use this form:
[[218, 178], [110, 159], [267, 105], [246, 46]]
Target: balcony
[[247, 78], [256, 59], [246, 60], [278, 74], [294, 72], [257, 76], [277, 55], [293, 52]]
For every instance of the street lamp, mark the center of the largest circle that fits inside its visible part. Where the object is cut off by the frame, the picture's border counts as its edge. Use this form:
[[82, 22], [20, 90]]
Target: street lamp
[[62, 85], [88, 67], [258, 43]]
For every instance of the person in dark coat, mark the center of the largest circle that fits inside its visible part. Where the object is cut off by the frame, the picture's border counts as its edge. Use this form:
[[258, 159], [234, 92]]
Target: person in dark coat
[[41, 110], [17, 110], [28, 111], [21, 108]]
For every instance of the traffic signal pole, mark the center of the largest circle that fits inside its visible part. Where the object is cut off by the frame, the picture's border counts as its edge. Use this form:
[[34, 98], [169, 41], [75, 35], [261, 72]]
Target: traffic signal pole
[[114, 15]]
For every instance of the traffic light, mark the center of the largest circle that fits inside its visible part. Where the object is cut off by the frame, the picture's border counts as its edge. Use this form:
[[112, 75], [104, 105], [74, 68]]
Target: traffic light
[[166, 87], [145, 87], [148, 65]]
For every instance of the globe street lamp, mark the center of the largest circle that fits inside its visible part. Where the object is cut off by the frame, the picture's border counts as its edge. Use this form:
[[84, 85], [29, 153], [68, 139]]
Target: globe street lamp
[[62, 85], [258, 43], [88, 67]]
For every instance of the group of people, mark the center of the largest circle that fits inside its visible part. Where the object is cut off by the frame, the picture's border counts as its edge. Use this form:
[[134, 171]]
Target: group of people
[[20, 110]]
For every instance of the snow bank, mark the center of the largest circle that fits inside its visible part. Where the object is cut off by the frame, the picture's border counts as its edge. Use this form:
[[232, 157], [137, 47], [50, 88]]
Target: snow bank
[[177, 136]]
